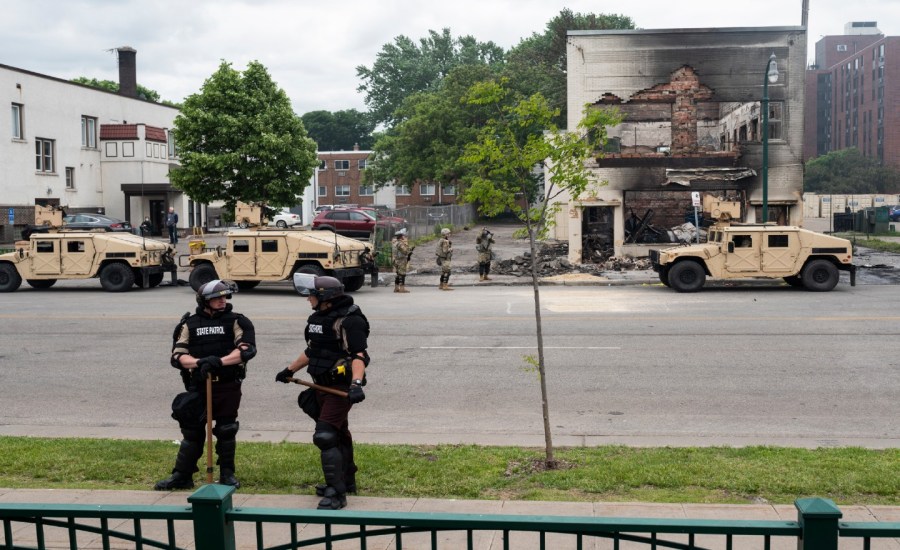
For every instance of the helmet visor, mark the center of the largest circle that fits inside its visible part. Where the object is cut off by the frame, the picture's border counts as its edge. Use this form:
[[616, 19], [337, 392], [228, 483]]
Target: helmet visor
[[304, 283]]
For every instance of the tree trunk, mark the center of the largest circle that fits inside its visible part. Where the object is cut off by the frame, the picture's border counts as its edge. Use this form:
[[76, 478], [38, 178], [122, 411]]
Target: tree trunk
[[545, 404]]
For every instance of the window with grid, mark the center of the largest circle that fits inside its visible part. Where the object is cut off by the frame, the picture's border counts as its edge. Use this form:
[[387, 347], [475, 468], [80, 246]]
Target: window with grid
[[402, 190], [342, 190], [362, 163], [70, 177], [43, 154], [89, 132], [18, 131], [323, 191], [342, 165], [449, 189], [426, 189], [366, 191]]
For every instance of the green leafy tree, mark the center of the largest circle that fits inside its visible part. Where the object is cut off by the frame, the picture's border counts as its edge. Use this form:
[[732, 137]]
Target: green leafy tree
[[433, 129], [341, 130], [403, 68], [848, 171], [239, 140], [538, 63], [519, 137], [110, 86]]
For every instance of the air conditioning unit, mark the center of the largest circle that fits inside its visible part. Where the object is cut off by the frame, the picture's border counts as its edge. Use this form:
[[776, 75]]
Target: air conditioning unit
[[342, 172]]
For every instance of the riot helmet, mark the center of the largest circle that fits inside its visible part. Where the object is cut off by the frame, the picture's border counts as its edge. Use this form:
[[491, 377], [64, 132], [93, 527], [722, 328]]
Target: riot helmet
[[214, 289], [324, 288]]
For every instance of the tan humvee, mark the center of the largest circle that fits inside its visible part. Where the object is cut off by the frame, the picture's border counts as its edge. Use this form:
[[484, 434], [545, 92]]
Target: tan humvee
[[119, 260], [799, 256], [256, 253]]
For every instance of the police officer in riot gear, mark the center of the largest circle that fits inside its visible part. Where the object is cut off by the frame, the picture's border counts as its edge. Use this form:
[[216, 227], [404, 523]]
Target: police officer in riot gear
[[336, 340], [214, 342]]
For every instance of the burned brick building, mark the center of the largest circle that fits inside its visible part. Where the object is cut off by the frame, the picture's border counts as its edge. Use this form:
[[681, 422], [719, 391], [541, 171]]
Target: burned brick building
[[692, 123]]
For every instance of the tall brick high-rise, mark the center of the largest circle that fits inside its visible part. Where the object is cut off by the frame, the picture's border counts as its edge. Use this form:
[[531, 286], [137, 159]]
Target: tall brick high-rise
[[853, 95]]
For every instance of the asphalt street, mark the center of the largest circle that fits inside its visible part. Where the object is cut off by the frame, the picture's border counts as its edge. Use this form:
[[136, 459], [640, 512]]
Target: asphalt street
[[637, 364]]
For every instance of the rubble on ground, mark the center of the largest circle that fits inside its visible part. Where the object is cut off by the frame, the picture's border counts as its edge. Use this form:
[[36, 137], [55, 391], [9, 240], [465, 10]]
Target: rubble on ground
[[552, 260]]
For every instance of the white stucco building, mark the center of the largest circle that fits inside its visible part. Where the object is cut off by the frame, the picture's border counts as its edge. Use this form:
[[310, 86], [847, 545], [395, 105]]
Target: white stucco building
[[86, 149]]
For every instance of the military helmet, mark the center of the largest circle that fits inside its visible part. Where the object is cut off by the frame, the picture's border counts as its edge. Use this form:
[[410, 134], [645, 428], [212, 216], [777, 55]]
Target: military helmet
[[324, 288], [445, 231], [215, 289]]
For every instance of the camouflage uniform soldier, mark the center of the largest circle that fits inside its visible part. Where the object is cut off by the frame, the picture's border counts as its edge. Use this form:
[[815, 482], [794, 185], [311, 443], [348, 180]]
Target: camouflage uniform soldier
[[444, 253], [401, 255], [483, 243]]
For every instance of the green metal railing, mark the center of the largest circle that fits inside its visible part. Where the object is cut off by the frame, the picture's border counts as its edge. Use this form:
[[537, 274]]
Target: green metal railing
[[210, 522]]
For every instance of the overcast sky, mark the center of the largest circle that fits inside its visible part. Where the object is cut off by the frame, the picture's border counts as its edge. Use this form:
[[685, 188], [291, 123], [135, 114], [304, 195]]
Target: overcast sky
[[312, 47]]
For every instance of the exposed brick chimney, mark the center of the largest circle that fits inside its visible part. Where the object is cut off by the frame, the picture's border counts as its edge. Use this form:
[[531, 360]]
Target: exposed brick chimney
[[127, 71]]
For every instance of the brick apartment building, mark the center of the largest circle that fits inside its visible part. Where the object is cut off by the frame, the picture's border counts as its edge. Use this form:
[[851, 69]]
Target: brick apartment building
[[339, 180], [853, 95]]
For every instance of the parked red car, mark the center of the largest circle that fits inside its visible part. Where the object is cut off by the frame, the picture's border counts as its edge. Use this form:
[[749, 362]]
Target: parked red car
[[355, 222], [345, 221]]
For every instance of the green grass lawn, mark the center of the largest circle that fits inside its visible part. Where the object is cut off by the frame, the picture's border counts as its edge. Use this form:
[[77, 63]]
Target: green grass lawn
[[614, 473]]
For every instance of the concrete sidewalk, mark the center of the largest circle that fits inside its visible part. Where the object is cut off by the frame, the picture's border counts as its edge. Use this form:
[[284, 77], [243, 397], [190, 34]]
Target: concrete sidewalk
[[275, 534]]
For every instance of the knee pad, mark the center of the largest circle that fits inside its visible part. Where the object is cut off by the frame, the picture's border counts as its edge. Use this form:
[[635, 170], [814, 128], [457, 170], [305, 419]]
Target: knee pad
[[193, 434], [226, 430], [325, 436]]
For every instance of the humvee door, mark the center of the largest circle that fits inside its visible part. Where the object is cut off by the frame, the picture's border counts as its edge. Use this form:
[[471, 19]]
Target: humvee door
[[743, 253], [241, 256], [78, 255], [46, 260]]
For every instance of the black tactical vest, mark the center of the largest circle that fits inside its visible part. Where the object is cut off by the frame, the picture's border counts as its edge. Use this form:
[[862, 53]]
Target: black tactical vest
[[325, 344], [214, 336]]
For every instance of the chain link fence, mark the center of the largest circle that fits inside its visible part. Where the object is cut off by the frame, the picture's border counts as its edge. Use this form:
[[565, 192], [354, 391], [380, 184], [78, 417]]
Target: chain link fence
[[421, 221]]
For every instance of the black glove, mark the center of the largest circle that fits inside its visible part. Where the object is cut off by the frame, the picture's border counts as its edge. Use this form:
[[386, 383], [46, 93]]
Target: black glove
[[248, 352], [284, 376], [208, 365], [355, 394]]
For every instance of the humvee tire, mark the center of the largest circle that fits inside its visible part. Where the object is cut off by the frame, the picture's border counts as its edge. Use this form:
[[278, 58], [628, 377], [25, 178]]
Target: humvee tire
[[153, 280], [664, 277], [687, 276], [352, 284], [40, 283], [116, 277], [10, 280], [201, 275], [820, 276]]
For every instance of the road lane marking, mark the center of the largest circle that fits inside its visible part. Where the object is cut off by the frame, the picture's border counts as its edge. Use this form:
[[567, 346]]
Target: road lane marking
[[519, 347]]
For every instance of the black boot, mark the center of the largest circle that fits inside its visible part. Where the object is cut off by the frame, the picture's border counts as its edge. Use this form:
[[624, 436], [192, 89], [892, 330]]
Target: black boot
[[185, 466], [177, 480], [225, 449], [332, 499], [226, 477]]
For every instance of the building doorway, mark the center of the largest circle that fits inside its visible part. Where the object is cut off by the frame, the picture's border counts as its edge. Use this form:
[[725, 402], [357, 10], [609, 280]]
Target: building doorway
[[157, 215]]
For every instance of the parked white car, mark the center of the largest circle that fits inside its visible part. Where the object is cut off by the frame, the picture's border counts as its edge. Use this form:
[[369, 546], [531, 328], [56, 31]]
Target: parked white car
[[286, 218]]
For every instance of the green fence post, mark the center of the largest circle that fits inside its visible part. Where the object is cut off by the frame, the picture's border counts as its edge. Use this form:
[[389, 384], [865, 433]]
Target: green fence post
[[818, 518], [209, 505]]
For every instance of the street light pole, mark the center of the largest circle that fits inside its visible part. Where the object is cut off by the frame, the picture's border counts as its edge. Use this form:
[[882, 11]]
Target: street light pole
[[771, 76]]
